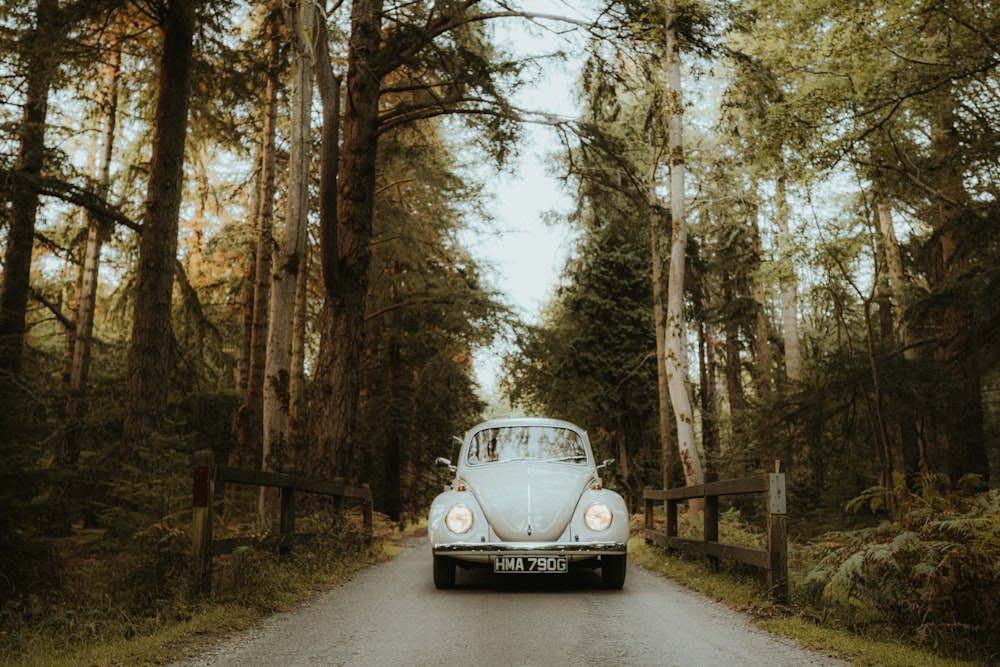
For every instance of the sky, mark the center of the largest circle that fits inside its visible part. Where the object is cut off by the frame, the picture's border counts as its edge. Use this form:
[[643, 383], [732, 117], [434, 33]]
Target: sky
[[525, 254]]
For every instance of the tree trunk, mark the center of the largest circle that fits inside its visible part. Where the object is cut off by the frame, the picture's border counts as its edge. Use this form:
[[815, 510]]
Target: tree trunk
[[733, 363], [663, 396], [149, 358], [97, 231], [623, 462], [392, 487], [346, 255], [897, 278], [762, 349], [291, 260], [250, 428], [711, 444], [956, 445], [297, 407], [41, 60], [899, 458], [881, 432], [789, 285], [733, 368], [676, 365]]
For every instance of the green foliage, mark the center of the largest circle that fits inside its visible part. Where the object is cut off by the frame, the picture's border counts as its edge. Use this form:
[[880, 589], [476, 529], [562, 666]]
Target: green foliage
[[863, 91], [265, 580], [25, 564], [128, 602], [459, 72], [127, 566], [430, 308], [592, 361], [936, 572], [813, 621]]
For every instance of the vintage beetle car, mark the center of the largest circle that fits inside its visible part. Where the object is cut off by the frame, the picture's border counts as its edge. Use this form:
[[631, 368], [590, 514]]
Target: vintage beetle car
[[527, 498]]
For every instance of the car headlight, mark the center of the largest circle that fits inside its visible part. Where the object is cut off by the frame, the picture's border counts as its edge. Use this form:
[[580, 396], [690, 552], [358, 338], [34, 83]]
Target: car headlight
[[458, 519], [597, 517]]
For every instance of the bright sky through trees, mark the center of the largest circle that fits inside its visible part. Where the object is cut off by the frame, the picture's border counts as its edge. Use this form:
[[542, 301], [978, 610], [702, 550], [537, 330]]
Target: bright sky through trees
[[526, 248]]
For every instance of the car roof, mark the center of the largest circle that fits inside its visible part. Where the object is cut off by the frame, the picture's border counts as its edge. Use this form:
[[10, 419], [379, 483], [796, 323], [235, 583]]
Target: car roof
[[508, 422]]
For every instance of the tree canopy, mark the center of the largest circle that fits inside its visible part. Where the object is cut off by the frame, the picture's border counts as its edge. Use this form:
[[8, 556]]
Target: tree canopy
[[187, 187]]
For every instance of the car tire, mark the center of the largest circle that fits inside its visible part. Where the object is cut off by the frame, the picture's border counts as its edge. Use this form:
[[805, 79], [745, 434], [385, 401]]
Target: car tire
[[444, 572], [613, 571]]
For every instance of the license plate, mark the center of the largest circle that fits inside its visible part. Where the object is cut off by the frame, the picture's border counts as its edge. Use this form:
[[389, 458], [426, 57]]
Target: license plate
[[530, 564]]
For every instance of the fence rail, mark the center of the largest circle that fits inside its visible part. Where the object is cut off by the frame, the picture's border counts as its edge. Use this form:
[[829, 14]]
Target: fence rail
[[206, 473], [773, 559]]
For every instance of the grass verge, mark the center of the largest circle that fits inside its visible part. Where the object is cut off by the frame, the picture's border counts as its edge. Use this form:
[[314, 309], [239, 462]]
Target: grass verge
[[109, 638], [744, 590]]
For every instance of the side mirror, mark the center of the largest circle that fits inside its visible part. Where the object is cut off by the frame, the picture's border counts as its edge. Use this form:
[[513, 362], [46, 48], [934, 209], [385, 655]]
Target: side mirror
[[606, 463], [446, 463]]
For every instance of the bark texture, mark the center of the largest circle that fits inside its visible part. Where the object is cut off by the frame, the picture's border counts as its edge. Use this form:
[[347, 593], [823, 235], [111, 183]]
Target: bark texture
[[290, 261], [41, 64], [676, 366], [97, 231], [335, 395], [149, 360]]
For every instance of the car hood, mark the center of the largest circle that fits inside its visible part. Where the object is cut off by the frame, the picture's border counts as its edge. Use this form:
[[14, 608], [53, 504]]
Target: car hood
[[528, 500]]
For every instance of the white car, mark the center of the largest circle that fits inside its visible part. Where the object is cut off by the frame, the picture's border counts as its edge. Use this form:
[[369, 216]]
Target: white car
[[527, 498]]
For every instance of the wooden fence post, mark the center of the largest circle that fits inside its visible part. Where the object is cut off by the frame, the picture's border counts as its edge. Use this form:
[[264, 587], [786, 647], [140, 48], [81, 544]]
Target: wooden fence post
[[777, 534], [286, 523], [201, 532], [671, 509], [338, 501], [711, 520], [367, 511], [648, 511]]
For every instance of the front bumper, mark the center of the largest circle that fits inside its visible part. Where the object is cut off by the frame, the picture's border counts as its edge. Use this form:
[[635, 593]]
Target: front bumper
[[486, 551]]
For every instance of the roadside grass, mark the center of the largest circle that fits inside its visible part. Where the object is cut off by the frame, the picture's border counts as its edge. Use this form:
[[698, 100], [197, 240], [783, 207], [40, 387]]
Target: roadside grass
[[89, 626], [70, 630], [859, 639]]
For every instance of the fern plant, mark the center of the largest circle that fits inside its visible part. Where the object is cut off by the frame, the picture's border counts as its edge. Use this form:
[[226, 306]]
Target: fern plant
[[935, 572]]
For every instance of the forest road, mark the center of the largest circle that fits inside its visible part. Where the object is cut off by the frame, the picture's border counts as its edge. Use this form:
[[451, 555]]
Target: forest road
[[391, 614]]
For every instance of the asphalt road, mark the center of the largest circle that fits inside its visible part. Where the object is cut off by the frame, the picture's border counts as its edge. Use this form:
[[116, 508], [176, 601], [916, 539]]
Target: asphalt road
[[391, 614]]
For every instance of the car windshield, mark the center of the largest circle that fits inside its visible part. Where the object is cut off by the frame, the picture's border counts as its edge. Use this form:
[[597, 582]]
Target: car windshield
[[526, 443]]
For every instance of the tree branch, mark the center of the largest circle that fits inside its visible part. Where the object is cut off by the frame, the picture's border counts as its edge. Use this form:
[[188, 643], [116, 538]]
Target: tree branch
[[396, 118], [73, 194]]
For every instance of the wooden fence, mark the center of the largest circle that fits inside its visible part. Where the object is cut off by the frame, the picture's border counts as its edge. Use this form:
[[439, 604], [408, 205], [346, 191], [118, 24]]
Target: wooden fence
[[207, 473], [773, 559]]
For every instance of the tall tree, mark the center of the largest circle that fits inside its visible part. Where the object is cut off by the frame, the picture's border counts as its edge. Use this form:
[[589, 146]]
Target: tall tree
[[346, 253], [788, 279], [250, 425], [676, 330], [427, 310], [328, 83], [458, 79], [291, 262], [607, 376], [656, 224], [149, 358], [97, 231], [41, 65], [955, 446]]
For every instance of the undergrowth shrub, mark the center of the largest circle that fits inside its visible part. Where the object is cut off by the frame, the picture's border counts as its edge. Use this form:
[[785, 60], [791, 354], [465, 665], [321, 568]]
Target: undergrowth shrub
[[25, 566], [935, 572], [733, 526], [325, 544]]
